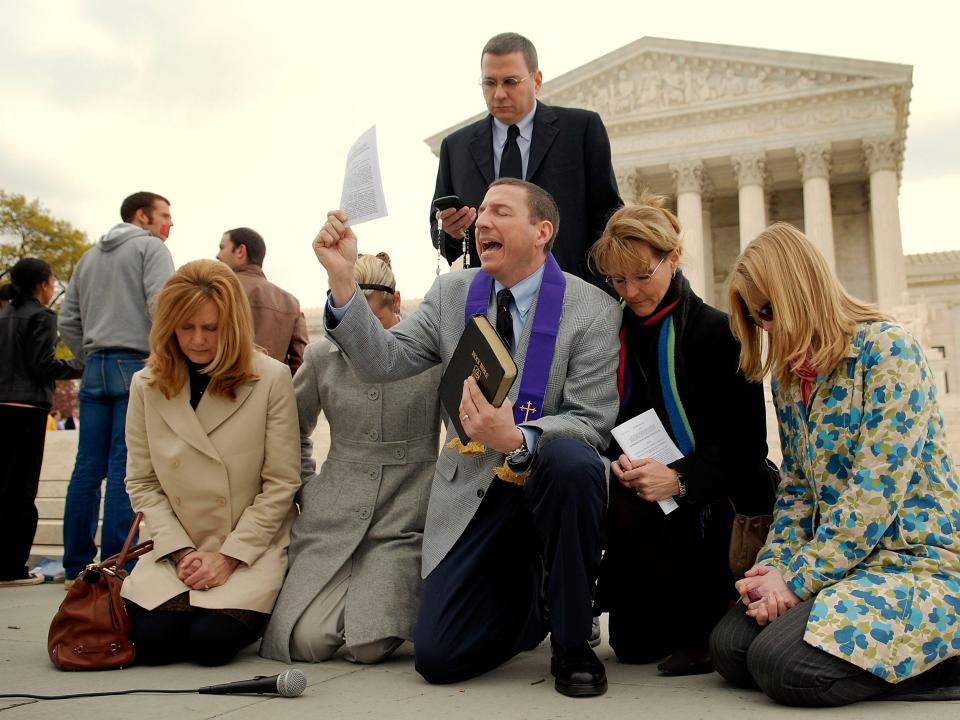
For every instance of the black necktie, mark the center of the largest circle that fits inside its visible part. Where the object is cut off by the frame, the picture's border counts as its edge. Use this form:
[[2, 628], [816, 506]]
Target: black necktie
[[504, 319], [511, 162]]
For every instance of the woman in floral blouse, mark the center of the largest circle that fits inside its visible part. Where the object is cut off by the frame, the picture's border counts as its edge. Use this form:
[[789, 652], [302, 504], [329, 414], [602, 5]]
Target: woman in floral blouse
[[858, 586]]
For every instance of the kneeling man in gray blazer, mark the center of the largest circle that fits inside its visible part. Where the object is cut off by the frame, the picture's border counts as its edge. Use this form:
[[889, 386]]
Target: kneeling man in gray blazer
[[512, 529]]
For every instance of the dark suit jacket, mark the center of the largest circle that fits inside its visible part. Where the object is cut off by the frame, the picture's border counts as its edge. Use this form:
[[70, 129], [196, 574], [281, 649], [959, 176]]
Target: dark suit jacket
[[569, 158]]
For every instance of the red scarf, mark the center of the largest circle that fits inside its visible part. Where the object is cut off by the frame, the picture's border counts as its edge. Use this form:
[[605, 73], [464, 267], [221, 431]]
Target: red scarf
[[807, 377]]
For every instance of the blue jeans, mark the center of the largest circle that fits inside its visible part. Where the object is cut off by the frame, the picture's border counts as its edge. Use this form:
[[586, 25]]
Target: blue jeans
[[101, 453]]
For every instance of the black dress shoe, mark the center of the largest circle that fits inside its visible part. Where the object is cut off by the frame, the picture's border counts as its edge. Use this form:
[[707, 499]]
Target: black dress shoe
[[687, 662], [578, 671]]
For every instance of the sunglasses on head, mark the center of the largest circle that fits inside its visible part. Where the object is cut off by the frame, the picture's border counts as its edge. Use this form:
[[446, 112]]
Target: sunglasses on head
[[761, 314]]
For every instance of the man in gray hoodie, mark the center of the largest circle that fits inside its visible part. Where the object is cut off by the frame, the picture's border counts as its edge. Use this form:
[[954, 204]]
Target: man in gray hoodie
[[105, 320]]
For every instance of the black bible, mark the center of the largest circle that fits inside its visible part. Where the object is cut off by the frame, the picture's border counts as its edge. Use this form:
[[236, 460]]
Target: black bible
[[481, 353]]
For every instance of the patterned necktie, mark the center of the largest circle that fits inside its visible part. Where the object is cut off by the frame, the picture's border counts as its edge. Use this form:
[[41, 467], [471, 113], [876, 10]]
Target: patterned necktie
[[511, 162], [504, 319]]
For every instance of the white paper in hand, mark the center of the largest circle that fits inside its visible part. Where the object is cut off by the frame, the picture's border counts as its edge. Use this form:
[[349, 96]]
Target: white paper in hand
[[643, 437], [362, 198]]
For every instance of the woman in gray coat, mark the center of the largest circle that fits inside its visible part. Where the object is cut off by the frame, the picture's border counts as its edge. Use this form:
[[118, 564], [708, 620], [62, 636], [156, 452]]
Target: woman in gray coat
[[354, 577]]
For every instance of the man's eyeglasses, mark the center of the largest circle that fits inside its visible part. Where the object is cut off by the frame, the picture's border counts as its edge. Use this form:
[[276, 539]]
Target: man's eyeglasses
[[508, 83], [618, 282], [761, 315]]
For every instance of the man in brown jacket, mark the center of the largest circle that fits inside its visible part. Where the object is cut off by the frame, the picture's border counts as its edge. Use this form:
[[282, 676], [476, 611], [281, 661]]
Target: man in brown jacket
[[278, 325]]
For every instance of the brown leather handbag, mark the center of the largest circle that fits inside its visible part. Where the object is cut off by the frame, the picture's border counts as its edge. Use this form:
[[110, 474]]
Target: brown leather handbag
[[91, 630], [749, 532], [747, 536]]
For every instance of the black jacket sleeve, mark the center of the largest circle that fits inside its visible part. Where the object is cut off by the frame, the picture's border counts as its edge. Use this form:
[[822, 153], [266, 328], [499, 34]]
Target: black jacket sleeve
[[40, 345], [728, 418]]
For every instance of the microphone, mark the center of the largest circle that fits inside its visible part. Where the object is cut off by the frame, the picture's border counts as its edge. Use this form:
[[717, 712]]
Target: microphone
[[289, 683]]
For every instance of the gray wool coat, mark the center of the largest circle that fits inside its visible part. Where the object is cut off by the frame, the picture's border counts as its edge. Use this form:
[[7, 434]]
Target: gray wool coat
[[581, 399], [368, 503]]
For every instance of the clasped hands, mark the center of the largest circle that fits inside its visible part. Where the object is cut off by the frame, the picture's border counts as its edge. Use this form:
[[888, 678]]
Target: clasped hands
[[494, 427], [765, 594], [202, 570], [652, 480]]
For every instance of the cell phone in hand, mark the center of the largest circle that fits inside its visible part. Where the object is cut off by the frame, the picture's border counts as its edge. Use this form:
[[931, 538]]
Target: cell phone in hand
[[446, 202]]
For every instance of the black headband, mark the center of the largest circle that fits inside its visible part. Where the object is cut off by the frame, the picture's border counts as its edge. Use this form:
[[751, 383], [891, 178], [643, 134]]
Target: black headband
[[374, 286]]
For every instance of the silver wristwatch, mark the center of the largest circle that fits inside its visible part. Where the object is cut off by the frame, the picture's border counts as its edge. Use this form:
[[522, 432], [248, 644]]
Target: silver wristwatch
[[682, 485], [520, 456]]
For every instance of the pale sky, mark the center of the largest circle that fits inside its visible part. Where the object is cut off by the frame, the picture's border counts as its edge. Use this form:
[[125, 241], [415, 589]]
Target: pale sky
[[241, 113]]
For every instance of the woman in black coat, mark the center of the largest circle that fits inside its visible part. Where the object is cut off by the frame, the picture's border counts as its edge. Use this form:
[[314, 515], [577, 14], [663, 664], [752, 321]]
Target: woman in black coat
[[665, 578], [28, 368]]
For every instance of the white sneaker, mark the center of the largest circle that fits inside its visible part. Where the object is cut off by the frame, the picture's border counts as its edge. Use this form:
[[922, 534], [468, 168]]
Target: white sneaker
[[23, 582]]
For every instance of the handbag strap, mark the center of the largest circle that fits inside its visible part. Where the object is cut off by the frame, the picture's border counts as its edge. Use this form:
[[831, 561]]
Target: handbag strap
[[126, 552], [132, 554], [134, 526]]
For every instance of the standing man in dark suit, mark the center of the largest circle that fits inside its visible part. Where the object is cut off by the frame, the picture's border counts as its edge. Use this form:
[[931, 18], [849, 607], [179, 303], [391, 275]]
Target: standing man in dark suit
[[527, 496], [563, 150]]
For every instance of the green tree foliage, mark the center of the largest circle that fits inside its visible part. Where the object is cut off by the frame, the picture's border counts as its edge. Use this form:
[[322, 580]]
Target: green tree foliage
[[27, 229]]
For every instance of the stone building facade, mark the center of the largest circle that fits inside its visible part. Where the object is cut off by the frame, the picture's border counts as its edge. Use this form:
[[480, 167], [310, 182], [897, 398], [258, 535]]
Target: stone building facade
[[741, 137]]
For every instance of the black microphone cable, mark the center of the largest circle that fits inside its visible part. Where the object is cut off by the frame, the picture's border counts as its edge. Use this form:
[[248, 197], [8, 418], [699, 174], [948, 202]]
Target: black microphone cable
[[92, 694], [290, 683]]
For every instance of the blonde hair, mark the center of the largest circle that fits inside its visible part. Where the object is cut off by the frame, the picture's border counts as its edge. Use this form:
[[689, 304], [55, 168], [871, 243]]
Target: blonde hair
[[814, 317], [375, 270], [648, 222], [187, 289]]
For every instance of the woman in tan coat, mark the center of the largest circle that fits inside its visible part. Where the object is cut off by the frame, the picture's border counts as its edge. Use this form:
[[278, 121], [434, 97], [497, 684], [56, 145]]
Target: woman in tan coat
[[212, 463]]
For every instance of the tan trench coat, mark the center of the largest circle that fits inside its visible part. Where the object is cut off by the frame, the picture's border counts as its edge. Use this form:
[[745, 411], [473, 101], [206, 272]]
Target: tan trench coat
[[222, 478]]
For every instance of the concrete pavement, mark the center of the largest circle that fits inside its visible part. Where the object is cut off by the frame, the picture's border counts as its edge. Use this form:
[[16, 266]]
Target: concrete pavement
[[522, 688]]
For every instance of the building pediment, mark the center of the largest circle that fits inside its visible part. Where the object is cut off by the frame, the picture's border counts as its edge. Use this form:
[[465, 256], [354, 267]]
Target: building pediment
[[657, 82], [653, 76]]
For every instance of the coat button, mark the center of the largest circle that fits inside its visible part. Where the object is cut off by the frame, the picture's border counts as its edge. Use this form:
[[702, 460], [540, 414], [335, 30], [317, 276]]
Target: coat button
[[372, 472], [178, 501], [373, 435], [373, 393], [176, 462], [364, 513], [480, 493], [399, 453], [221, 501]]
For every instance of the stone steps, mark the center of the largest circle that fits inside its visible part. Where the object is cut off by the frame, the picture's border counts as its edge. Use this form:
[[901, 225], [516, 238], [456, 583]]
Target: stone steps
[[61, 448], [58, 457]]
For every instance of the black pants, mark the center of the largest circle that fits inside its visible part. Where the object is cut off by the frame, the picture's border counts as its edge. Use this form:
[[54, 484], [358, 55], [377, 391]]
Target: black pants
[[23, 432], [483, 603], [665, 579], [207, 637]]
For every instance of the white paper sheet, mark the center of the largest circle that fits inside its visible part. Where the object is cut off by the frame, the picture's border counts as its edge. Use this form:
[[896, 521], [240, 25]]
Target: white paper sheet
[[645, 437], [362, 197]]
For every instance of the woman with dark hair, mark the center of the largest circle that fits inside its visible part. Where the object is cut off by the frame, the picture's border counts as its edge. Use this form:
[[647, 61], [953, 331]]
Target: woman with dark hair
[[665, 578], [28, 368], [857, 591], [212, 464]]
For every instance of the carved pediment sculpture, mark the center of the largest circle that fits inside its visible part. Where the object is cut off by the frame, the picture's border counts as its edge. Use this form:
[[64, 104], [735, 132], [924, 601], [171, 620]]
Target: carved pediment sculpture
[[656, 81]]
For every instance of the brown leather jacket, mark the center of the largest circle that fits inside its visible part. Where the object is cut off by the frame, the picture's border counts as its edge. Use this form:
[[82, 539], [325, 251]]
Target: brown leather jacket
[[278, 325]]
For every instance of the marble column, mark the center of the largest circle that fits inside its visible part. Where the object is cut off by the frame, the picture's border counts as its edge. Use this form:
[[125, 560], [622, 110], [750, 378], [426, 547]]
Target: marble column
[[882, 157], [750, 169], [706, 208], [688, 180], [814, 162]]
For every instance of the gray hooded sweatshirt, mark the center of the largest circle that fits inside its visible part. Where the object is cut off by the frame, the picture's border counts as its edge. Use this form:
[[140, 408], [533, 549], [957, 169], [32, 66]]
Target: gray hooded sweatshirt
[[108, 303]]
